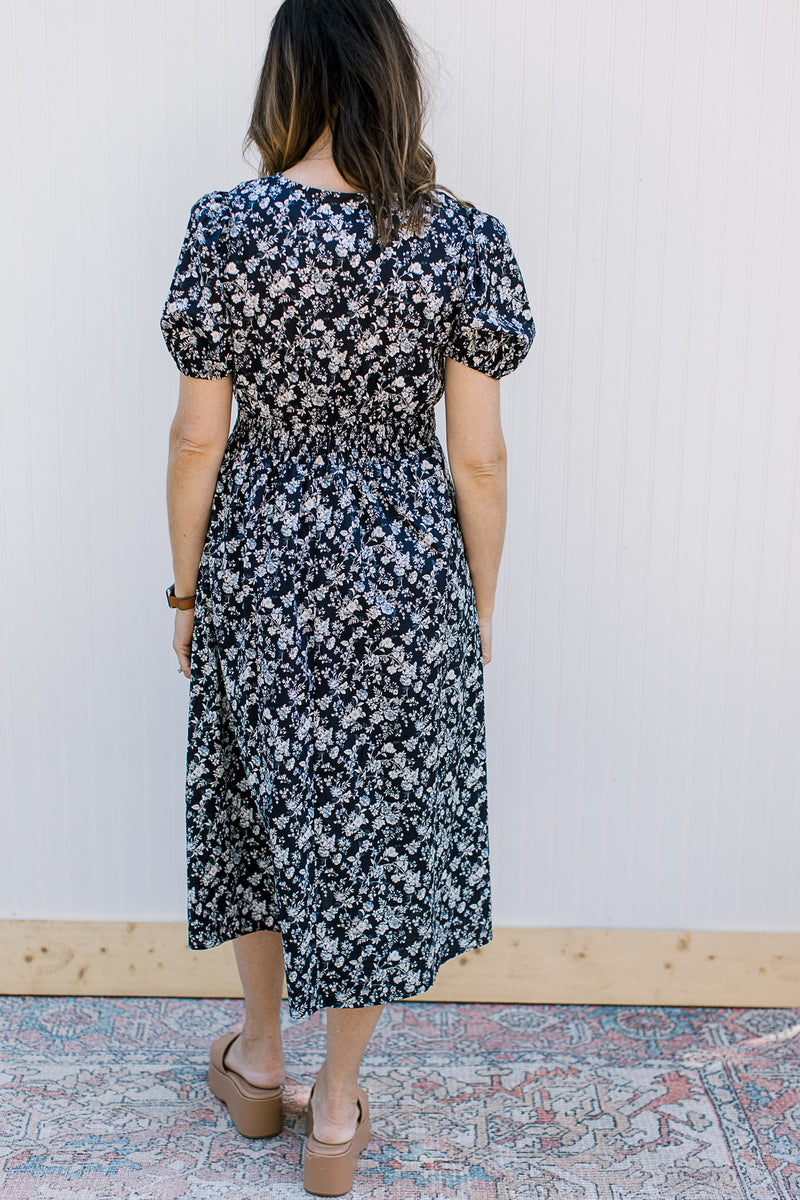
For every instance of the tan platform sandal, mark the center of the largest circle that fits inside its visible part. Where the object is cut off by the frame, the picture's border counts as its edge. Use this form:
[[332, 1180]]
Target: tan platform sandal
[[329, 1168], [255, 1111]]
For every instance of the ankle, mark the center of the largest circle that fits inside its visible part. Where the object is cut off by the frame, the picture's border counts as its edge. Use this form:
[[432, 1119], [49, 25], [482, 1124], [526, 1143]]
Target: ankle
[[260, 1034], [340, 1090]]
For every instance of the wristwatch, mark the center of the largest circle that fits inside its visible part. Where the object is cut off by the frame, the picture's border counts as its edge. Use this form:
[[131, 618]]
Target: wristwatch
[[178, 601]]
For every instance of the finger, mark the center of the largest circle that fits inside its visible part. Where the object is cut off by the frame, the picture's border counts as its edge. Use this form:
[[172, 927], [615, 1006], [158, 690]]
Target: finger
[[184, 657]]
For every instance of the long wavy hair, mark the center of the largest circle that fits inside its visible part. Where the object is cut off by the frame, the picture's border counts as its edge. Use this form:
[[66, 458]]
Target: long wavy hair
[[350, 65]]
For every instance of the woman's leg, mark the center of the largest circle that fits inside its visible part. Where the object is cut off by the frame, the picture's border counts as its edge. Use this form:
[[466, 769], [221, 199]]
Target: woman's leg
[[257, 1053], [334, 1103]]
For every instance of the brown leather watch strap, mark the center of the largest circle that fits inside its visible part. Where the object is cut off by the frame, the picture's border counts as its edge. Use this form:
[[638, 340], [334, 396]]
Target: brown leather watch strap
[[179, 601]]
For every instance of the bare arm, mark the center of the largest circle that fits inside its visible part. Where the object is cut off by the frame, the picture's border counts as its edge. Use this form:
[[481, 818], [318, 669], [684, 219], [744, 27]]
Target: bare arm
[[197, 440], [476, 451]]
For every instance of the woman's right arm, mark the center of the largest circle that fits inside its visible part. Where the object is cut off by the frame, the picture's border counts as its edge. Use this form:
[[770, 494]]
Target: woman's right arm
[[476, 452]]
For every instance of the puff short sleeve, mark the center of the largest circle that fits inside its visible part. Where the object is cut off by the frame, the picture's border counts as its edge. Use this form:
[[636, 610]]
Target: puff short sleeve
[[493, 329], [195, 321]]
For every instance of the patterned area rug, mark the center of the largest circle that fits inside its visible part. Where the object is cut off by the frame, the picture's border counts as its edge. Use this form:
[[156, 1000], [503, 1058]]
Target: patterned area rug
[[105, 1098]]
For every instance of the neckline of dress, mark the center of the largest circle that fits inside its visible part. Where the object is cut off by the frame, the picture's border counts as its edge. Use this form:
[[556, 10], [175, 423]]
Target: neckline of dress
[[309, 187]]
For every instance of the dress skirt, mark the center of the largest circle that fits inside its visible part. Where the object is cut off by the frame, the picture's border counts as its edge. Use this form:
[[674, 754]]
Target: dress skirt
[[336, 763]]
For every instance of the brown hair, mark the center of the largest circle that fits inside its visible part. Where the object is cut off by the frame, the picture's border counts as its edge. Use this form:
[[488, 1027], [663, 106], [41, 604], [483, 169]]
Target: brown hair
[[350, 65]]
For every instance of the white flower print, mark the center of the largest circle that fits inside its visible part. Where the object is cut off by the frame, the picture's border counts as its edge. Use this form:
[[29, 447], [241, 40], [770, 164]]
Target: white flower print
[[336, 763]]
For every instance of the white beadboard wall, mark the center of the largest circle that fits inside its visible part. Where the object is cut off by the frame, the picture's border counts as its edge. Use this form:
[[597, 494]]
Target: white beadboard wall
[[643, 703]]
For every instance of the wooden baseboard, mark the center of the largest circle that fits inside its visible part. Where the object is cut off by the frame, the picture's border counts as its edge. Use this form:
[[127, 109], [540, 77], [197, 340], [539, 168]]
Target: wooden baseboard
[[519, 966]]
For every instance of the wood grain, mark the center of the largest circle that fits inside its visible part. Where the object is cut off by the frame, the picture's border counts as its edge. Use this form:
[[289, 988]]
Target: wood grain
[[519, 966]]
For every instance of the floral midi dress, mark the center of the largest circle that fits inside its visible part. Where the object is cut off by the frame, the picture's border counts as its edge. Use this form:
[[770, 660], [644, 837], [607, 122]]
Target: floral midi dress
[[336, 761]]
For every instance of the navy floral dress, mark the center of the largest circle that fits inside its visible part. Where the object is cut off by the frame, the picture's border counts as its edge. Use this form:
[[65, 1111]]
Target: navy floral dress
[[336, 761]]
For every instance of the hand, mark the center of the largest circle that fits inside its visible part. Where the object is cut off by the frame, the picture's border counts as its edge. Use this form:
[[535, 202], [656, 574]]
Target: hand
[[485, 624], [182, 641]]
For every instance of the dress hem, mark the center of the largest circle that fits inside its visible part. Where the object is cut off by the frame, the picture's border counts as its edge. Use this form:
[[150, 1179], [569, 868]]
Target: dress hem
[[386, 995]]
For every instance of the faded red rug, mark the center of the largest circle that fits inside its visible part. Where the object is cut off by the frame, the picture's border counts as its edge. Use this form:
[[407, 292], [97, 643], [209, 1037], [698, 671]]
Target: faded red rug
[[108, 1098]]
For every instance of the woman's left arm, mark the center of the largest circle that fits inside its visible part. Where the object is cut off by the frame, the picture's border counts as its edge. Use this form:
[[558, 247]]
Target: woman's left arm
[[197, 439]]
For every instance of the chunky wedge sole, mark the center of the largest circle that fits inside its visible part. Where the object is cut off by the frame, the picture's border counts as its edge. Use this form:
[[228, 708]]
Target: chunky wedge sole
[[329, 1168], [256, 1112]]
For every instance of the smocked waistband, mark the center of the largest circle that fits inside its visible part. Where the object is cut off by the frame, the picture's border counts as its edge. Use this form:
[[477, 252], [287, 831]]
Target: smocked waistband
[[284, 439]]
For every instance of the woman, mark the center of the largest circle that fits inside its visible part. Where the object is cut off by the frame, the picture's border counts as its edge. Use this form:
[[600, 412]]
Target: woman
[[334, 578]]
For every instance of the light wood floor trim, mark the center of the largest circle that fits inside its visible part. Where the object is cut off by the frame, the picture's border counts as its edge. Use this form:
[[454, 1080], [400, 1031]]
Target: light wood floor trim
[[519, 966]]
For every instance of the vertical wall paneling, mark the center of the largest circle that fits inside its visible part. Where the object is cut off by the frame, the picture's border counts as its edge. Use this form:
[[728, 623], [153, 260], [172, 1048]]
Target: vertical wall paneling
[[644, 698]]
